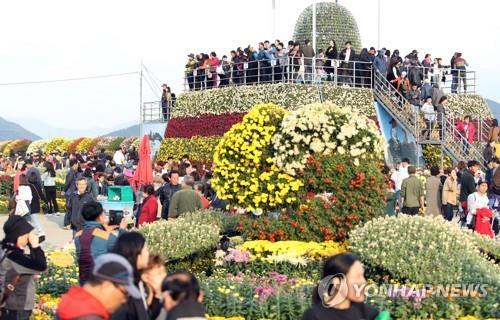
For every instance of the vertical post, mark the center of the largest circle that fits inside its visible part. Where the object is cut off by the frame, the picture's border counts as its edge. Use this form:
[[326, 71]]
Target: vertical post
[[314, 26], [140, 101], [378, 24], [274, 18]]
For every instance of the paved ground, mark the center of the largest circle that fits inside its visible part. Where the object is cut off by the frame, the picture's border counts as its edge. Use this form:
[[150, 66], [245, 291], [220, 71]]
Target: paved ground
[[56, 236]]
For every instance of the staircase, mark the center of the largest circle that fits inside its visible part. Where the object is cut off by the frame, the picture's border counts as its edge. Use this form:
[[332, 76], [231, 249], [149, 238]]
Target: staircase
[[452, 141]]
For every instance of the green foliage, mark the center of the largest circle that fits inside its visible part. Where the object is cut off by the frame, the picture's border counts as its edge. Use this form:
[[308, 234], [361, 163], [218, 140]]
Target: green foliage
[[333, 22], [115, 144]]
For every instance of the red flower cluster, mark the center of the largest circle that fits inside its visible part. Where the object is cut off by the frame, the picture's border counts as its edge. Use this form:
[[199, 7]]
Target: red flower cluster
[[203, 125]]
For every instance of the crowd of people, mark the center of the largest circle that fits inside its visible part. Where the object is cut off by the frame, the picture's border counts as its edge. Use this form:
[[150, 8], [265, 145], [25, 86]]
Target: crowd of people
[[464, 192], [299, 62]]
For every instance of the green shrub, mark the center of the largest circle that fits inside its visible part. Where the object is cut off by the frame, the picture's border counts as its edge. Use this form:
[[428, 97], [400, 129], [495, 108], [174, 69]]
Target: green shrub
[[225, 221], [423, 250], [179, 238]]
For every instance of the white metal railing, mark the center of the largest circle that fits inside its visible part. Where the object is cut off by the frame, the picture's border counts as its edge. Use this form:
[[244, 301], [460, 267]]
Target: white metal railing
[[155, 111], [294, 70], [455, 80]]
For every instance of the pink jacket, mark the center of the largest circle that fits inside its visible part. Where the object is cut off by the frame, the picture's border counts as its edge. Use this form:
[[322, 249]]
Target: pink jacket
[[471, 131]]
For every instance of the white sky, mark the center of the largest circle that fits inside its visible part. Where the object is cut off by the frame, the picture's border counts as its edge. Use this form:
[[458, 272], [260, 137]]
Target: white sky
[[42, 40]]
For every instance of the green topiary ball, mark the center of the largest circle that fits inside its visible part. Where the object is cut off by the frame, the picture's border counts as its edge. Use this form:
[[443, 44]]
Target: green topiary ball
[[333, 21]]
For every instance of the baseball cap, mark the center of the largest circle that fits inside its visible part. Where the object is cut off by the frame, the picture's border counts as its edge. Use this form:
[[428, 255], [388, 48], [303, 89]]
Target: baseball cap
[[116, 269]]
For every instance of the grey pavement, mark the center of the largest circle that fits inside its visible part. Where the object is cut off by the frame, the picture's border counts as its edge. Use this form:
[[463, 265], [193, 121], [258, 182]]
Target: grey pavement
[[56, 236]]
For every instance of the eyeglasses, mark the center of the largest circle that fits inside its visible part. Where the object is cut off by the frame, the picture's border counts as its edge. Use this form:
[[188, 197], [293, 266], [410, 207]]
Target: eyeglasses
[[122, 290]]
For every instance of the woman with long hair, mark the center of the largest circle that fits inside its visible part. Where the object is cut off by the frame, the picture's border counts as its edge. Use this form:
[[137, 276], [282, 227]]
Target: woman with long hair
[[49, 185], [331, 54], [132, 246], [339, 295]]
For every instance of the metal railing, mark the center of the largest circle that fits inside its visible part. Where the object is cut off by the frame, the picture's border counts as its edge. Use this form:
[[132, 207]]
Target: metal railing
[[438, 129], [155, 111], [455, 80], [288, 70]]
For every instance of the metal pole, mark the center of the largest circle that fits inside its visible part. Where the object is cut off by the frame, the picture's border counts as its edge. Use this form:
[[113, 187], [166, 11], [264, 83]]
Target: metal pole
[[378, 25], [274, 19], [140, 101], [314, 26]]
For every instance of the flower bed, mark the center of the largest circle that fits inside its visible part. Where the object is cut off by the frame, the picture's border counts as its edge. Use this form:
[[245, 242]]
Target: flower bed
[[56, 144], [290, 96], [272, 296], [468, 104], [198, 148], [295, 258], [61, 274], [203, 125], [16, 146]]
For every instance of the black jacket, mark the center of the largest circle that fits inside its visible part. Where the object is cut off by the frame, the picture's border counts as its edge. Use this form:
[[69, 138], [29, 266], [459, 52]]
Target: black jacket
[[467, 185], [74, 206], [165, 193], [70, 183], [134, 309], [17, 263]]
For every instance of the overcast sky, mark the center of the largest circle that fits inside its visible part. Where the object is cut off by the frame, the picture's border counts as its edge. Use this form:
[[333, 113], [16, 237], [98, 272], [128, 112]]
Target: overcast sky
[[45, 40]]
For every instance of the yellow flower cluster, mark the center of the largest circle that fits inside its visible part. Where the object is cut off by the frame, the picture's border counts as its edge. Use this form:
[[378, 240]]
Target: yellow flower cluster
[[198, 148], [61, 259], [286, 250], [84, 145], [56, 144], [245, 174]]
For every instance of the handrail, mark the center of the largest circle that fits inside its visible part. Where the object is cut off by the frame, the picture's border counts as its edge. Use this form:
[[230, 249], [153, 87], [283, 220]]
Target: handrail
[[293, 70], [397, 106]]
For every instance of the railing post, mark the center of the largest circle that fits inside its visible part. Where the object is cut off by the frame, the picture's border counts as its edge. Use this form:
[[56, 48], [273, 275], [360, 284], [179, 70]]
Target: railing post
[[354, 74], [335, 72], [258, 71]]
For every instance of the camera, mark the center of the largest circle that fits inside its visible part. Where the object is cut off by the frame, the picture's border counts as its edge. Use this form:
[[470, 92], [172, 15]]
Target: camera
[[115, 217]]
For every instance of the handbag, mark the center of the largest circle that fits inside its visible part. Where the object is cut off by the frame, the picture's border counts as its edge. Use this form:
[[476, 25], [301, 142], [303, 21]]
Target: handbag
[[21, 208]]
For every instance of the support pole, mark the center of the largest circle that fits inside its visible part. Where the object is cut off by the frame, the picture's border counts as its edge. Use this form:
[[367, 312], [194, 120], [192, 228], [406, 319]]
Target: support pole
[[140, 102]]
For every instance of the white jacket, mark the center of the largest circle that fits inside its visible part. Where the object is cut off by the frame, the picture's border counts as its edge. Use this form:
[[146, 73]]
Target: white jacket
[[24, 193]]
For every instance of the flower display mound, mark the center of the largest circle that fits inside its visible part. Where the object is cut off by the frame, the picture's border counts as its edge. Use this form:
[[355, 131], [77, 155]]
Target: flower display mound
[[337, 196], [55, 144], [245, 174], [325, 129], [180, 238], [198, 148], [202, 125], [238, 99], [297, 258], [333, 21], [37, 146], [16, 146], [408, 248]]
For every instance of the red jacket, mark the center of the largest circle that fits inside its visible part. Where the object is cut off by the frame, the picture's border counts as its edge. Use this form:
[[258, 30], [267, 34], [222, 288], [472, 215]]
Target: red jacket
[[149, 210], [79, 303], [471, 131], [483, 227]]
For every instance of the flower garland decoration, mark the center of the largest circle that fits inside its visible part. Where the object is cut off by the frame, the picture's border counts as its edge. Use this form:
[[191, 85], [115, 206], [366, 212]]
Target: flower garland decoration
[[245, 174], [324, 129]]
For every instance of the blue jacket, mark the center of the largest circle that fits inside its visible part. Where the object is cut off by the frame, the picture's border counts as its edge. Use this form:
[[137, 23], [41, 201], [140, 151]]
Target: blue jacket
[[380, 63], [102, 240]]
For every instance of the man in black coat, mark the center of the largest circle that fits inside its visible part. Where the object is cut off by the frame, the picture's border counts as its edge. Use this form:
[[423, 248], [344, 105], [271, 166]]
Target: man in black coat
[[346, 57], [73, 218], [167, 191], [467, 184]]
